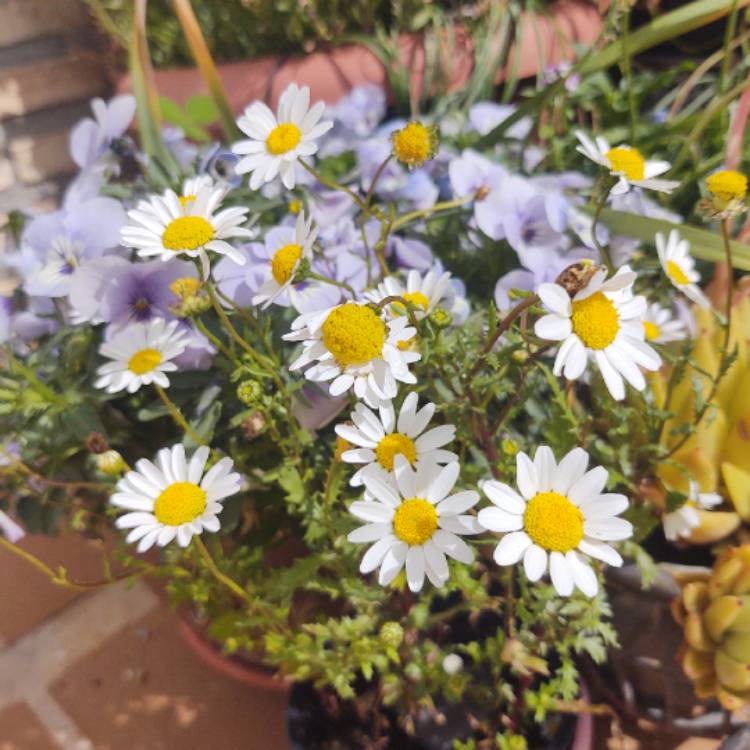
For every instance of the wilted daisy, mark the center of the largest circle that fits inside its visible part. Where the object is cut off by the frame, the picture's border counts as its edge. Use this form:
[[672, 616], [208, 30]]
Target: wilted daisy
[[680, 523], [560, 514], [661, 327], [277, 142], [627, 164], [678, 264], [415, 522], [141, 354], [353, 347], [379, 439], [727, 189], [604, 322], [286, 261], [415, 143], [168, 225], [424, 292], [173, 498]]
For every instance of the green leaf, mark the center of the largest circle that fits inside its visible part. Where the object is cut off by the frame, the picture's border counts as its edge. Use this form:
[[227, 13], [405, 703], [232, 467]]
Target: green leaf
[[704, 245]]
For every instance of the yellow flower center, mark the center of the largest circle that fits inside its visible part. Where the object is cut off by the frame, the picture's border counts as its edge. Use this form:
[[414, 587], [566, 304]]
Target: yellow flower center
[[284, 137], [415, 298], [595, 321], [676, 273], [354, 334], [727, 185], [651, 330], [414, 144], [284, 262], [144, 361], [553, 522], [342, 446], [295, 206], [187, 233], [415, 521], [392, 445], [185, 287], [627, 161], [185, 199], [181, 502]]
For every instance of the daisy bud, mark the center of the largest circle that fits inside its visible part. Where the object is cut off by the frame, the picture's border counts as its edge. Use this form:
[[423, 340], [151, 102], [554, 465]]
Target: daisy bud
[[415, 144], [192, 306], [441, 318], [728, 191], [111, 463], [249, 392], [253, 425], [453, 664], [391, 634], [96, 443]]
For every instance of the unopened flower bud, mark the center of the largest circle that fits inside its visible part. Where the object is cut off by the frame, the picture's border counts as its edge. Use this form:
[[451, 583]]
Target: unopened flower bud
[[253, 425], [391, 634], [440, 318], [111, 463], [96, 443], [249, 392], [453, 664], [415, 143]]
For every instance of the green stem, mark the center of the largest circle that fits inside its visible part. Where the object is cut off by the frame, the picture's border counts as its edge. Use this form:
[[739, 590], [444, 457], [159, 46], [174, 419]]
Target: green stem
[[178, 417], [604, 252], [326, 280], [41, 388], [203, 328], [376, 177], [627, 64], [230, 583], [728, 36], [424, 212], [332, 183]]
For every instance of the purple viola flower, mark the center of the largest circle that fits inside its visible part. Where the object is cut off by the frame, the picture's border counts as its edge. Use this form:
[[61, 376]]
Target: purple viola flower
[[328, 206], [91, 138], [118, 292], [354, 117], [314, 408], [219, 163], [409, 253], [486, 116], [183, 151], [199, 352], [473, 174], [240, 282], [55, 245]]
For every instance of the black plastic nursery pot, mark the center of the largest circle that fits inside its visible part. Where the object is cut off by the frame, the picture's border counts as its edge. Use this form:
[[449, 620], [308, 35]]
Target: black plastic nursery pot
[[317, 721]]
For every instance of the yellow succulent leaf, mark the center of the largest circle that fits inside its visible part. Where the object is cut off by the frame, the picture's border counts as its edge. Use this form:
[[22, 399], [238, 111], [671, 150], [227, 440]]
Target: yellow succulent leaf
[[714, 525], [696, 634], [726, 571], [695, 596], [729, 700], [737, 646], [739, 403], [731, 673], [737, 482], [698, 664], [706, 687], [720, 616]]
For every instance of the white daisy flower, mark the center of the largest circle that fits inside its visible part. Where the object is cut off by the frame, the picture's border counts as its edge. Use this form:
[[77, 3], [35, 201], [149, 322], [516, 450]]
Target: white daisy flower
[[560, 514], [627, 164], [353, 347], [660, 327], [424, 292], [277, 142], [189, 224], [679, 266], [286, 260], [604, 322], [380, 439], [679, 524], [141, 354], [172, 498], [415, 523]]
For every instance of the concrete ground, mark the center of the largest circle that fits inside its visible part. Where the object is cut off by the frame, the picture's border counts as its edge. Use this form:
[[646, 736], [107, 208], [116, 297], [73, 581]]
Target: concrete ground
[[108, 670]]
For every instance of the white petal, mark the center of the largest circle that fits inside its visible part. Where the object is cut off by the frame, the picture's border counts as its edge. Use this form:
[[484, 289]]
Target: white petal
[[570, 470], [535, 562], [560, 573], [392, 562], [495, 519], [553, 328], [555, 298], [526, 478], [415, 566], [373, 512], [443, 483], [505, 497], [511, 548], [583, 576], [369, 533], [453, 546], [464, 525], [600, 551], [436, 564], [610, 529], [589, 486], [545, 465], [375, 554], [608, 504], [458, 503]]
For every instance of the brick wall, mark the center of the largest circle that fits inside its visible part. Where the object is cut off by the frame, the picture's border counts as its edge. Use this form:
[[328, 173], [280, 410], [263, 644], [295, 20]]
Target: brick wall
[[50, 66]]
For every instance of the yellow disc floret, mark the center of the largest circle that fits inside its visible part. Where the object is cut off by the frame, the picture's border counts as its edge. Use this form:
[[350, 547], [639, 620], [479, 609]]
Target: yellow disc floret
[[144, 361], [595, 321], [727, 185], [553, 522], [284, 262], [651, 330], [284, 137], [181, 502], [354, 334], [187, 233], [392, 445], [676, 273], [414, 144], [627, 161], [295, 206], [415, 521], [185, 287]]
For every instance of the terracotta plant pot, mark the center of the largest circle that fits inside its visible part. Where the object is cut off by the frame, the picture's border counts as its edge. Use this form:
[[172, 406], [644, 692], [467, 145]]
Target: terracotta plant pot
[[243, 669], [550, 37]]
